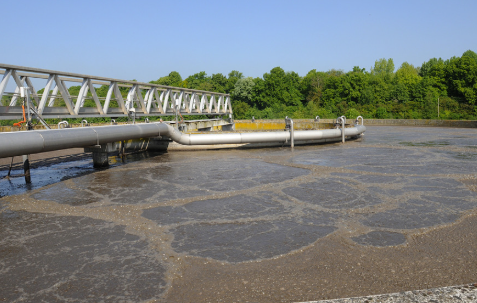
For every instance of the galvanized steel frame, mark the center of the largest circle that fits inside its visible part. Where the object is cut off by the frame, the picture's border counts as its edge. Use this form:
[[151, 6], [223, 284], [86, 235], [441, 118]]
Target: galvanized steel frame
[[159, 100]]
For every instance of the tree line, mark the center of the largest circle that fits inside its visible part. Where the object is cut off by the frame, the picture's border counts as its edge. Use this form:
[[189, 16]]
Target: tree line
[[382, 92]]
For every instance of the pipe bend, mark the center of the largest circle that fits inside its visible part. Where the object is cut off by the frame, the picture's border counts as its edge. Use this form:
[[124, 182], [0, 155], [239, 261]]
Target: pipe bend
[[353, 131], [176, 135]]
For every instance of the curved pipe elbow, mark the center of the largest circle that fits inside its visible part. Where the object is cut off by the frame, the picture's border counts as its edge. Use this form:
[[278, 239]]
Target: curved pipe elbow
[[357, 130], [176, 135]]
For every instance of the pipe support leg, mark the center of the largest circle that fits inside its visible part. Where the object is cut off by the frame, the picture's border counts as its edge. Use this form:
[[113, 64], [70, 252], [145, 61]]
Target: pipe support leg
[[26, 168]]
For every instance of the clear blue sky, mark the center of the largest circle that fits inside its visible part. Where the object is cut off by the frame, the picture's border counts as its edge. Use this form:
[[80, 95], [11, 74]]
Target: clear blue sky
[[145, 40]]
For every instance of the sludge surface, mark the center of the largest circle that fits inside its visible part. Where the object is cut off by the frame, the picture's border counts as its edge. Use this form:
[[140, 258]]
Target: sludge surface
[[242, 227], [189, 219], [54, 258]]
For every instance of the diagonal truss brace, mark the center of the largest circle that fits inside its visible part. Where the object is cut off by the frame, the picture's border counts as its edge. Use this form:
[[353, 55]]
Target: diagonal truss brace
[[158, 99]]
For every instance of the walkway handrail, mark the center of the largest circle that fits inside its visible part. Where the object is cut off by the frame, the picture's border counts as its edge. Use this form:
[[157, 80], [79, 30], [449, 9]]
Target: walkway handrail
[[157, 100]]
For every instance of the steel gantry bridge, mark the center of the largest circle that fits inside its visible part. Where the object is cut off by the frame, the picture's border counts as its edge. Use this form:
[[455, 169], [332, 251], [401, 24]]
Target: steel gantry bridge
[[144, 99]]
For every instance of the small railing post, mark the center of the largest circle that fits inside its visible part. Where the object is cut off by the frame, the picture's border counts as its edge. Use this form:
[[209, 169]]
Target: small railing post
[[64, 123]]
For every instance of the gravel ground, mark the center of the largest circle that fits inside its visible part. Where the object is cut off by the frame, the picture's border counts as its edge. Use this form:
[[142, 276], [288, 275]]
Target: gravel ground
[[463, 293]]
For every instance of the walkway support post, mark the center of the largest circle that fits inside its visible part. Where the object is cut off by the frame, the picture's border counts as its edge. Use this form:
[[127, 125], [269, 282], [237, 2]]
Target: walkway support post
[[26, 168], [24, 93], [101, 153]]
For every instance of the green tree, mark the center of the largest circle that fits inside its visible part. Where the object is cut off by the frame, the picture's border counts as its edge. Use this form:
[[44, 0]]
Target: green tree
[[354, 83], [470, 54], [400, 93], [461, 74], [241, 110], [199, 81], [278, 87], [352, 113], [331, 93], [219, 83], [233, 77], [425, 97], [381, 113], [173, 79], [243, 90], [383, 67], [435, 69], [427, 66], [380, 89], [312, 86], [408, 76]]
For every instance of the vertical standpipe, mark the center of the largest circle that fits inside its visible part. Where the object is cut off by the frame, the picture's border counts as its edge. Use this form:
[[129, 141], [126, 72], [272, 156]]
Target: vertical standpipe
[[289, 127], [292, 134], [342, 120], [342, 130]]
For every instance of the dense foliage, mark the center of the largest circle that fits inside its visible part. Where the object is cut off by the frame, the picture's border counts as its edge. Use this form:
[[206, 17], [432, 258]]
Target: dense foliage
[[406, 93]]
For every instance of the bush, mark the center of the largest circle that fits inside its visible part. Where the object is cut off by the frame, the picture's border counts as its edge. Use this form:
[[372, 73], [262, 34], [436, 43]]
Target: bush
[[381, 113], [352, 113]]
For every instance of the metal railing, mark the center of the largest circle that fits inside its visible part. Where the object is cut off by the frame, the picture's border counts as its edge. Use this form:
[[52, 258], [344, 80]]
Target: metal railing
[[145, 99]]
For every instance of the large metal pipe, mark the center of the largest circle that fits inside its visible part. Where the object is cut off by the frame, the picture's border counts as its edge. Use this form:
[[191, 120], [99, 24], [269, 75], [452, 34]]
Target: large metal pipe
[[260, 137], [31, 142]]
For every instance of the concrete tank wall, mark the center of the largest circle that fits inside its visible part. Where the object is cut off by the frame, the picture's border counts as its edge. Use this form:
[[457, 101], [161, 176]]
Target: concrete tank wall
[[422, 122], [328, 123]]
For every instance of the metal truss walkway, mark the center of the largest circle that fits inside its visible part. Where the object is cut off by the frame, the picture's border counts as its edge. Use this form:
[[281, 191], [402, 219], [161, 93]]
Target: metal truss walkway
[[144, 99]]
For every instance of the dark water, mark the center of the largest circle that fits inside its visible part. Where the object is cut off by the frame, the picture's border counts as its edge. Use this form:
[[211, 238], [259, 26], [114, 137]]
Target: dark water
[[80, 234]]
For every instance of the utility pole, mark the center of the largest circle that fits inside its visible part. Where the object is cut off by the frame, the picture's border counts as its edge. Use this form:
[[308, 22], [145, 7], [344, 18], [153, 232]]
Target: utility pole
[[437, 107]]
